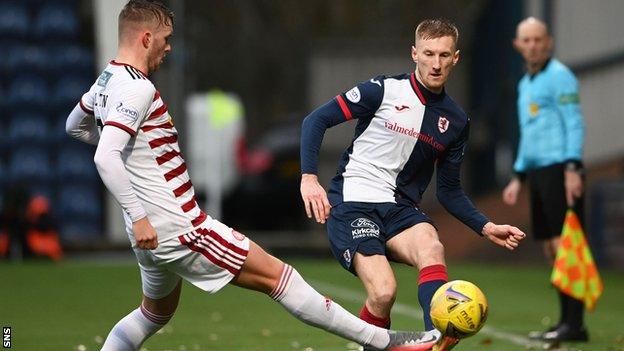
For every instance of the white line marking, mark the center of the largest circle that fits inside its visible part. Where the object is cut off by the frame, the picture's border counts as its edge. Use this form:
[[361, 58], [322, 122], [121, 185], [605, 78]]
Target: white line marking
[[415, 313]]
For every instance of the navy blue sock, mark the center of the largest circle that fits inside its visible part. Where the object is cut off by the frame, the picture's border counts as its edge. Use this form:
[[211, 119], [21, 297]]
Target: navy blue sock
[[431, 278]]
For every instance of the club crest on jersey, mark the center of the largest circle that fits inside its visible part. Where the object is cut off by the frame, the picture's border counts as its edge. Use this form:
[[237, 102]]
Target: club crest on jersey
[[103, 78], [364, 227], [127, 111], [354, 95], [443, 124], [239, 236]]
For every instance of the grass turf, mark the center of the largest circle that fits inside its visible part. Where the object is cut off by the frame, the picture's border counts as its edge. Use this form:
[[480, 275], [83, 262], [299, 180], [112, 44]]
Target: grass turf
[[73, 305]]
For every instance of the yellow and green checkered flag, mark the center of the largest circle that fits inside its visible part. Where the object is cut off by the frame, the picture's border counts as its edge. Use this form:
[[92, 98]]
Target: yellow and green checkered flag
[[575, 272]]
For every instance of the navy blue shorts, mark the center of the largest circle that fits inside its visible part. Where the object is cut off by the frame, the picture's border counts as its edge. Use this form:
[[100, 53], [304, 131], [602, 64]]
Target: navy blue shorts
[[365, 227]]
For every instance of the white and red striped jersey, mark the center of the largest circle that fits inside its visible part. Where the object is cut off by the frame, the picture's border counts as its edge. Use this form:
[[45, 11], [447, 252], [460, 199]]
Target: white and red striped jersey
[[123, 97]]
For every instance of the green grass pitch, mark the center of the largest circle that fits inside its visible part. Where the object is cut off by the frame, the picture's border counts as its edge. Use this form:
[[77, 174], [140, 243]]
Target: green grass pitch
[[73, 305]]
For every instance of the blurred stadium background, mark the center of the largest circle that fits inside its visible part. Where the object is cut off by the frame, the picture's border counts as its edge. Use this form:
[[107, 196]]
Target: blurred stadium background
[[241, 77]]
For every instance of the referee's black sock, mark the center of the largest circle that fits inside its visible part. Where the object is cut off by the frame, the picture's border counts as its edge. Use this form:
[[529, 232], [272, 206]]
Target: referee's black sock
[[576, 311], [563, 307]]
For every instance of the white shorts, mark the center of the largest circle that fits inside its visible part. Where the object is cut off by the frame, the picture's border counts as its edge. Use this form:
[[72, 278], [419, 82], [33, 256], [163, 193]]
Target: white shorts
[[207, 257]]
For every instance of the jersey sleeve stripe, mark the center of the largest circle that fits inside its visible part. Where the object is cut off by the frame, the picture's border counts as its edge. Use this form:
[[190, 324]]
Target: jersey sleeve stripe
[[166, 125], [85, 109], [121, 126], [419, 93], [156, 95], [162, 141], [167, 156], [344, 107], [199, 219], [158, 112], [191, 204], [179, 191], [175, 172]]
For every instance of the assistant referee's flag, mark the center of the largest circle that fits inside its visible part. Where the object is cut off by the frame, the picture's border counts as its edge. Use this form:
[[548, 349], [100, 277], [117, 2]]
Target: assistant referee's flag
[[575, 272]]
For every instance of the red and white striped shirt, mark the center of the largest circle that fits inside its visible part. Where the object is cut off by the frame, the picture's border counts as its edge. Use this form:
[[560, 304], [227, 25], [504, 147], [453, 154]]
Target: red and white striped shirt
[[124, 98]]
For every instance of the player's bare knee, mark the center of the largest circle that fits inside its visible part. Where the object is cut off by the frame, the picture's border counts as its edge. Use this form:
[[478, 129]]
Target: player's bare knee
[[383, 295], [430, 252]]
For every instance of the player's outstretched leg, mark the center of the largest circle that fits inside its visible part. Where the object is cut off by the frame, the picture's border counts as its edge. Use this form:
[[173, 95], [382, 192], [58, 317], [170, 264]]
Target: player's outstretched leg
[[267, 274], [132, 330]]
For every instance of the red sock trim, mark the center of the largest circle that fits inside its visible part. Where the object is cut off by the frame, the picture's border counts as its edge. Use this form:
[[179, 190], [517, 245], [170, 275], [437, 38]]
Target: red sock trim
[[154, 318], [433, 272], [370, 318]]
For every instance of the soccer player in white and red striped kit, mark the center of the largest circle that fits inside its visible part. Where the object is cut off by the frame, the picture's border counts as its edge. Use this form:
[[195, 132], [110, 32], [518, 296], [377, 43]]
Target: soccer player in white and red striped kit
[[139, 161]]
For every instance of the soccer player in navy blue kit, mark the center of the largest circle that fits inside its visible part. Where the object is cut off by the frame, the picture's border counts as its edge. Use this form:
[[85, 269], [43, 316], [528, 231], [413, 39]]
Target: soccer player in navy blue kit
[[549, 156], [406, 125]]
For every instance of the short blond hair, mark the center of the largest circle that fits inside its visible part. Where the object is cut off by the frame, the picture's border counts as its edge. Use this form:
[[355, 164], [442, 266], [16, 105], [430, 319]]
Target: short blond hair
[[436, 28], [144, 11]]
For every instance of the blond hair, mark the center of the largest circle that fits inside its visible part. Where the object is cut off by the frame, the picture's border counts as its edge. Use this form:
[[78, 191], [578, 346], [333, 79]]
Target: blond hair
[[144, 11], [436, 28]]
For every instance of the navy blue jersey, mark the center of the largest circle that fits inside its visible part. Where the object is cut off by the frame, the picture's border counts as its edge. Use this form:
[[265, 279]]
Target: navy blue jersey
[[402, 131]]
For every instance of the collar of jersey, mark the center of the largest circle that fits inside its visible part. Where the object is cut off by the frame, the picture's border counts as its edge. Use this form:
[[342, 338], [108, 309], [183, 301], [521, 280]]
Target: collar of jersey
[[544, 67], [424, 95], [115, 63]]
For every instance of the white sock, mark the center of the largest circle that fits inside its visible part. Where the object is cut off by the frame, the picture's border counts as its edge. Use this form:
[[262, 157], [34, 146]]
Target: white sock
[[307, 305], [132, 330]]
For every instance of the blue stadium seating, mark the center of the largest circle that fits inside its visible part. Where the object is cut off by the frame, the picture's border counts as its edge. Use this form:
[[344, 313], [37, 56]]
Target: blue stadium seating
[[68, 90], [55, 22], [14, 20], [75, 164], [2, 102], [27, 92], [79, 230], [3, 175], [58, 132], [44, 70], [79, 201], [30, 164], [70, 59], [26, 58], [28, 128], [42, 189]]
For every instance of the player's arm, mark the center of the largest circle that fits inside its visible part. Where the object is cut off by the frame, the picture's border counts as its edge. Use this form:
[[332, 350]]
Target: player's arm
[[570, 111], [82, 126], [511, 191], [449, 189], [128, 109], [567, 100], [361, 101], [452, 197], [80, 123], [312, 132], [111, 168]]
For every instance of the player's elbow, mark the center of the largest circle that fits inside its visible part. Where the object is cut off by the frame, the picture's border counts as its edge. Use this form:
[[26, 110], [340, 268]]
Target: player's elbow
[[71, 130], [99, 159], [446, 195], [442, 197]]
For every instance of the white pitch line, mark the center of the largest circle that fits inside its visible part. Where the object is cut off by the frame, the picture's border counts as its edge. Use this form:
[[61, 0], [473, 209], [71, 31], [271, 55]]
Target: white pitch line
[[409, 311]]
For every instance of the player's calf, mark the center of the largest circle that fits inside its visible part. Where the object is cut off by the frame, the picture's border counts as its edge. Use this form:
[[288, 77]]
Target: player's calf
[[132, 330]]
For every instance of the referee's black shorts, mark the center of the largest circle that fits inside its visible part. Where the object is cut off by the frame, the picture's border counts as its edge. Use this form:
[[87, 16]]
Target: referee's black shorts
[[548, 201]]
